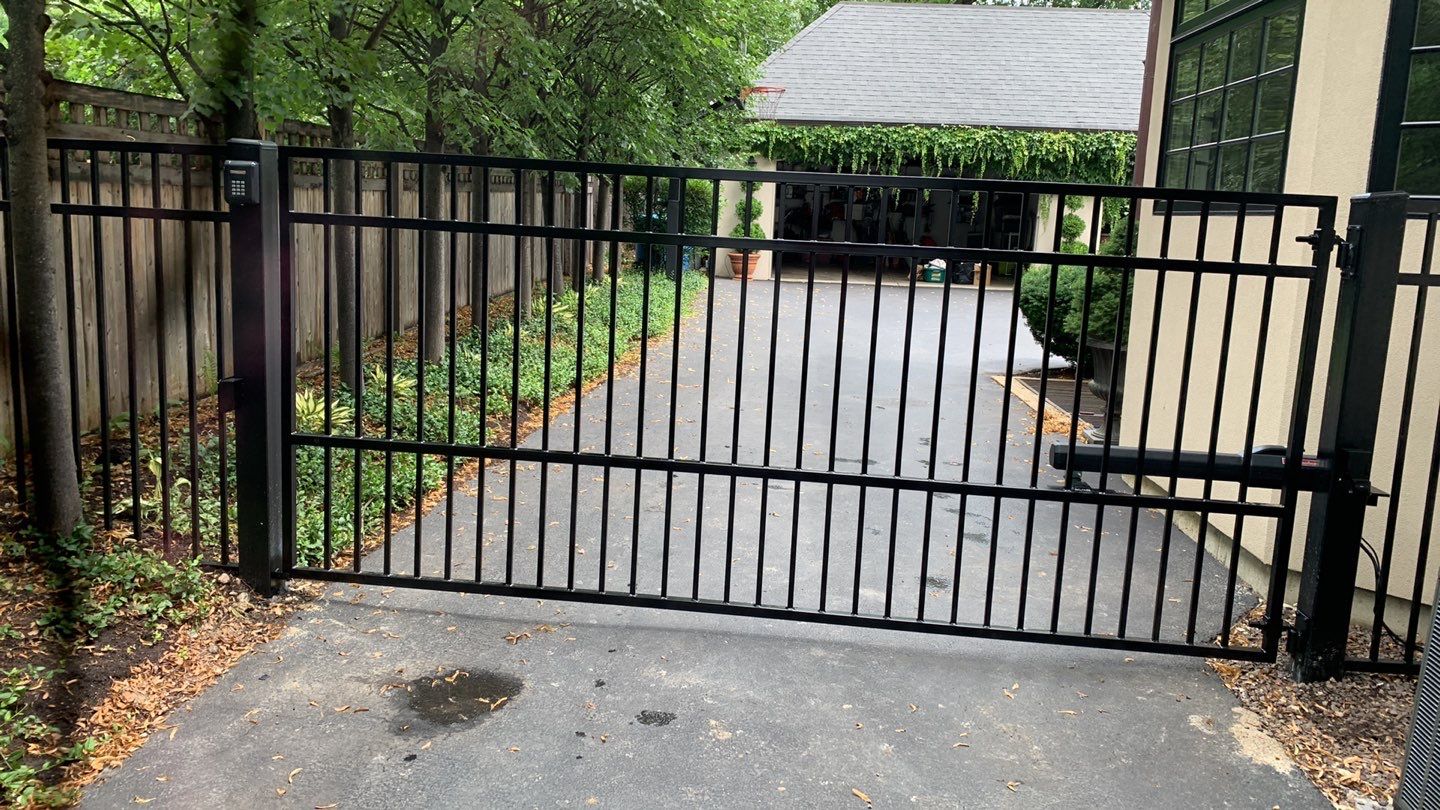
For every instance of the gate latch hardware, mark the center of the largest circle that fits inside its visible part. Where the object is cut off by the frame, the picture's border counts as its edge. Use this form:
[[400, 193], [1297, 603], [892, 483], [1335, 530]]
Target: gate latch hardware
[[226, 389], [1345, 249]]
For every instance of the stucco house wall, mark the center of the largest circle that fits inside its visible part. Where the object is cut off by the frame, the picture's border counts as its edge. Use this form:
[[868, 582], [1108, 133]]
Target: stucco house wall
[[1331, 131], [732, 194]]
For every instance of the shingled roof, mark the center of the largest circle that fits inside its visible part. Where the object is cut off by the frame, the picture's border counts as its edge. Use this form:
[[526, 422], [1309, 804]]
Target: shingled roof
[[1019, 68]]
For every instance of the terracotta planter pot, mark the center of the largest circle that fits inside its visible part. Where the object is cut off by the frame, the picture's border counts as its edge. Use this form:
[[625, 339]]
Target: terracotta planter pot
[[751, 262]]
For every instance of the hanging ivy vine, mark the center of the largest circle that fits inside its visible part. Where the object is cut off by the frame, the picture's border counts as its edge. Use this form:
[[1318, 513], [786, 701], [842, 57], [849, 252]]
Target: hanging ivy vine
[[1080, 157]]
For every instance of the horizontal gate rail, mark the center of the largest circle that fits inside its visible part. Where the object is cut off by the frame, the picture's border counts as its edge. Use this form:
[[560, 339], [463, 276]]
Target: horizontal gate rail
[[1253, 199], [713, 606], [831, 477], [855, 249]]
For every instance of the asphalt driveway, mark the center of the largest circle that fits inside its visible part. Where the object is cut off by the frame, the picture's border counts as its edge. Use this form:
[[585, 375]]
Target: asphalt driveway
[[388, 697]]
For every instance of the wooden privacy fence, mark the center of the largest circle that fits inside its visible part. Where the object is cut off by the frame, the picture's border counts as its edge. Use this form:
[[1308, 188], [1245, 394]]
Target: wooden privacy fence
[[147, 299]]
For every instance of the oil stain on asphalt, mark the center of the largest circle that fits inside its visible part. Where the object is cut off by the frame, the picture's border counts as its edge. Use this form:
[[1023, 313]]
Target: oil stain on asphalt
[[461, 696]]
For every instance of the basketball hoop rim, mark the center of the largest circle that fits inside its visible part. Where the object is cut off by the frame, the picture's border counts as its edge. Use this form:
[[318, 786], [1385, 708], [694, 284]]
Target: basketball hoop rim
[[766, 98]]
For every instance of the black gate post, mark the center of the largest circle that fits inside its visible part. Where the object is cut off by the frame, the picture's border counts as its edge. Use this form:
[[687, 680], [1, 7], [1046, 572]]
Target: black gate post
[[1370, 265], [252, 191]]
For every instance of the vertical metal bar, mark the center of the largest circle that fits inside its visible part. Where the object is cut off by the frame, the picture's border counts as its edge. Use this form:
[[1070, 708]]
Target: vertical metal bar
[[162, 345], [131, 347], [480, 495], [521, 273], [1186, 364], [675, 224], [579, 277], [1058, 591], [192, 396], [1363, 315], [102, 357], [749, 187], [835, 401], [936, 398], [327, 270], [881, 237], [616, 188], [801, 412], [255, 266], [392, 205], [1252, 422], [358, 517], [1167, 222], [1422, 551], [221, 369], [1041, 401], [643, 379], [1232, 282], [72, 335], [17, 406], [287, 369], [452, 322], [968, 444], [900, 419], [549, 354], [1323, 240], [1121, 339], [1003, 437], [775, 271], [422, 327], [705, 391]]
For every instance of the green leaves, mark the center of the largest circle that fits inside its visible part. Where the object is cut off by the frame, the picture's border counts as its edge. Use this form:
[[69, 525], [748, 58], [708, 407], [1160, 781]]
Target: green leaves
[[1086, 157]]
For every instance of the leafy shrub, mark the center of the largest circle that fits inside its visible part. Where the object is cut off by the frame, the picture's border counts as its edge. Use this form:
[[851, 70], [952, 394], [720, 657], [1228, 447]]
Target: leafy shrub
[[107, 584], [696, 218], [1069, 306], [748, 211]]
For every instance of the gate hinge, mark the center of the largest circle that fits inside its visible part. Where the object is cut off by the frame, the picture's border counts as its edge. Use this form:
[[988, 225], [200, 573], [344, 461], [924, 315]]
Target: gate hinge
[[1345, 255]]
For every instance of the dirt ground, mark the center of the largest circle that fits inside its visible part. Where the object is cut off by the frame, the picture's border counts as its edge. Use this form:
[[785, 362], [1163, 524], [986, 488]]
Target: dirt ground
[[1347, 735]]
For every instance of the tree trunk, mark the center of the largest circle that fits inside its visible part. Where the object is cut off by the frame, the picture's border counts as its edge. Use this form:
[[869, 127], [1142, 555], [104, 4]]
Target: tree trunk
[[56, 506], [432, 282], [602, 217], [347, 282], [237, 71], [527, 209], [479, 245], [552, 214]]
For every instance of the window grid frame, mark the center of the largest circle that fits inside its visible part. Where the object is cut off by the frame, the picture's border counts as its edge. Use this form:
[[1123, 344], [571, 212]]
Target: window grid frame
[[1221, 24], [1390, 123]]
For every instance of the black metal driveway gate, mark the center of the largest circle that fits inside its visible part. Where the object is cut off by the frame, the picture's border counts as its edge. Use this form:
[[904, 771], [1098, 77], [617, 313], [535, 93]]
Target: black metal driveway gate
[[842, 446]]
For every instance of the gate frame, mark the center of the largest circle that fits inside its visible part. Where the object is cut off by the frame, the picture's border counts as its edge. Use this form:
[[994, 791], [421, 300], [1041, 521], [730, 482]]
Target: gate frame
[[1347, 426]]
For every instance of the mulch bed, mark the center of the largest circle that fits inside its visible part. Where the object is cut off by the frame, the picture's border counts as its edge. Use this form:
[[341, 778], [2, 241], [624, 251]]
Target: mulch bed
[[1347, 735]]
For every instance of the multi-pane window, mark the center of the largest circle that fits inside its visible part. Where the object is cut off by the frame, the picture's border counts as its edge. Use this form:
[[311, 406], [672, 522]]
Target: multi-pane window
[[1192, 9], [1418, 166], [1228, 106]]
